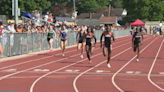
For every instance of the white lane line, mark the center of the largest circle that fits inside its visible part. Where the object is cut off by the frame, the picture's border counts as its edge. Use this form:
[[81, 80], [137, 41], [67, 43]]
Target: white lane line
[[130, 72], [48, 64], [99, 71], [10, 70], [161, 72], [74, 82], [44, 58], [153, 66], [137, 72], [126, 65], [32, 86]]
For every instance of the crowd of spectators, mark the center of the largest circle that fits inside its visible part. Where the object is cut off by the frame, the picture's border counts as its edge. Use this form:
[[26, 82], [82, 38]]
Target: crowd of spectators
[[31, 36]]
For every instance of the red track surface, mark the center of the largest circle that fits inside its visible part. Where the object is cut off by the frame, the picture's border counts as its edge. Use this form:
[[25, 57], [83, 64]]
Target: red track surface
[[50, 72]]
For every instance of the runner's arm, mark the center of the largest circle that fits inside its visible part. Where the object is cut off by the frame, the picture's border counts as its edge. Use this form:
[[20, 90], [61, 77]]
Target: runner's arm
[[54, 34], [77, 35], [95, 38], [67, 34], [101, 39], [142, 38], [113, 37]]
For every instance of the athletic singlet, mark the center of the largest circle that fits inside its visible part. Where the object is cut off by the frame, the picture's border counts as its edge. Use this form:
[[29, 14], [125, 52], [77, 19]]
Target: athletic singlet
[[107, 38], [64, 34], [88, 38], [137, 36], [50, 34], [81, 35]]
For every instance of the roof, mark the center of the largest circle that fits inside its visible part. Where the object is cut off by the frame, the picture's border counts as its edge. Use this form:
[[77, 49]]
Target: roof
[[108, 20], [118, 11], [62, 19], [137, 23], [90, 22], [87, 16]]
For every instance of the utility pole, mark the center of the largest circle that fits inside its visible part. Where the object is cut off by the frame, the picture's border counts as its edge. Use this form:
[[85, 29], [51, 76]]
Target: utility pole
[[74, 11], [16, 11]]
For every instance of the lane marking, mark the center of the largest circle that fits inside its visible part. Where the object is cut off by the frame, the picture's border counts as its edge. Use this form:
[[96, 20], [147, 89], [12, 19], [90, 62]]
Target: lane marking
[[74, 83], [32, 86], [153, 66], [50, 56], [126, 65], [161, 72], [130, 72], [10, 70]]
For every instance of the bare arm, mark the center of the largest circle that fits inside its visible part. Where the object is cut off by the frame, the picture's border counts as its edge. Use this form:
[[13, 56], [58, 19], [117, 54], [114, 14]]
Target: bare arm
[[77, 35], [113, 37]]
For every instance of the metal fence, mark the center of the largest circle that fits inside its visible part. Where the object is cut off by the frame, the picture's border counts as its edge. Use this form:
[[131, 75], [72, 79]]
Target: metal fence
[[23, 43], [3, 18]]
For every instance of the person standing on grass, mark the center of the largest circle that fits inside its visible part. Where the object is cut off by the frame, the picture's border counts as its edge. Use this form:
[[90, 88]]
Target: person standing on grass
[[107, 43], [50, 34], [136, 42]]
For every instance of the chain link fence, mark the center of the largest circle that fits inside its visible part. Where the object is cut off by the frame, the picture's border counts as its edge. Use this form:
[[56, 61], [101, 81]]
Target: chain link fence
[[23, 43], [3, 18]]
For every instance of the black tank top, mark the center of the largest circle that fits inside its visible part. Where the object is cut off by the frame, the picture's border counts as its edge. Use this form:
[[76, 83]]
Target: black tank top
[[81, 36], [137, 36]]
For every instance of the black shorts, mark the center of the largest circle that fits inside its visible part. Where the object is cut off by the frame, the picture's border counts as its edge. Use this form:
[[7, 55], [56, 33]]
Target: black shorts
[[49, 38], [81, 41], [63, 40], [107, 44], [136, 42]]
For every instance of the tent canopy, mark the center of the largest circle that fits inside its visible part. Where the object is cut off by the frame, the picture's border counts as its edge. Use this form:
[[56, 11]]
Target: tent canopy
[[137, 23]]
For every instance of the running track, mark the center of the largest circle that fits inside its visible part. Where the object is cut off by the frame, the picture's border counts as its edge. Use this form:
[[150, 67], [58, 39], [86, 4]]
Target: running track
[[50, 72]]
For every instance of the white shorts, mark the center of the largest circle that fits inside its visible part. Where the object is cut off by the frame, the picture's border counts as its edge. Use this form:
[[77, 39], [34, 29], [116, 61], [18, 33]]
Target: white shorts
[[158, 33]]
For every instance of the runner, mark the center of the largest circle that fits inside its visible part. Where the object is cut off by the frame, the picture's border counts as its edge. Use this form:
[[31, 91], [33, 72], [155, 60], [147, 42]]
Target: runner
[[136, 43], [50, 34], [64, 36], [89, 46], [107, 43], [81, 42]]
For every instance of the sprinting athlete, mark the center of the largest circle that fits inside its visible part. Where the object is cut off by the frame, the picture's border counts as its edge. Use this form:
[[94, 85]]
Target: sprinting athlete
[[136, 43], [50, 34], [107, 43], [81, 42], [89, 46], [63, 35]]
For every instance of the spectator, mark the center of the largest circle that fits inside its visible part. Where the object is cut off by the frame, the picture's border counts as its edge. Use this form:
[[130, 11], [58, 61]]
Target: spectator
[[65, 21], [11, 30], [50, 18], [46, 17], [1, 49]]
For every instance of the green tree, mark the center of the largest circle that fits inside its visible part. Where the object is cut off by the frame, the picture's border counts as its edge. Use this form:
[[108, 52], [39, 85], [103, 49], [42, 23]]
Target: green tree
[[117, 3], [89, 6], [24, 5], [143, 9]]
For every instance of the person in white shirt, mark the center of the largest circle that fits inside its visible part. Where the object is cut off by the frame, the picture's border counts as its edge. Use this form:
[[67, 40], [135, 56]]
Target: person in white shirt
[[65, 21], [46, 17], [11, 35]]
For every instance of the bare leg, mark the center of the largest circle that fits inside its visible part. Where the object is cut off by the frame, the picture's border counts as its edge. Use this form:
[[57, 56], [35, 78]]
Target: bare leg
[[104, 51]]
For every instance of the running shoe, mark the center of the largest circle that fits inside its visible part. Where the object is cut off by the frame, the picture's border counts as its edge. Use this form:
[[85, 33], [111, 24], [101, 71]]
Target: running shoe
[[90, 61], [81, 56], [51, 50], [63, 55], [108, 65], [137, 60]]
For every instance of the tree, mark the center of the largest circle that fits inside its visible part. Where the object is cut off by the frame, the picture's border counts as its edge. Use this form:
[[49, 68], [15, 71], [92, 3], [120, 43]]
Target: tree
[[144, 9], [61, 10], [24, 5], [117, 3]]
